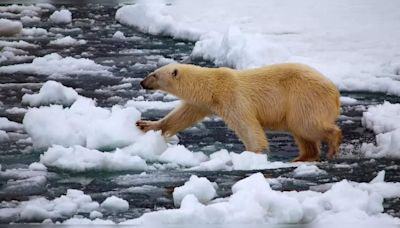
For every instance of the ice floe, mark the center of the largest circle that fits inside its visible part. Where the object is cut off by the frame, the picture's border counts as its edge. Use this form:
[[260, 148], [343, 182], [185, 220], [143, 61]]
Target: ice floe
[[384, 120], [55, 64], [63, 16], [240, 38]]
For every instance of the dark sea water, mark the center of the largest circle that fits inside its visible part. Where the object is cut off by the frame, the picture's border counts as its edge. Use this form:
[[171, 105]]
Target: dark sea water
[[96, 23]]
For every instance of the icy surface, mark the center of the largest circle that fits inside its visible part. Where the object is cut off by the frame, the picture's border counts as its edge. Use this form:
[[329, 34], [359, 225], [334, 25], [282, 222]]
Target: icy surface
[[81, 159], [308, 170], [14, 54], [54, 64], [253, 201], [147, 105], [17, 44], [180, 155], [37, 209], [82, 124], [67, 41], [201, 188], [52, 92], [384, 120], [34, 32], [8, 125], [61, 17], [115, 204], [9, 27], [239, 36], [119, 35]]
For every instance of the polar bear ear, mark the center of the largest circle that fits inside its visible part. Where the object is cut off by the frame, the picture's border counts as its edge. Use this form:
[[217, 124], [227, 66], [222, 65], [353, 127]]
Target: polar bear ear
[[175, 73]]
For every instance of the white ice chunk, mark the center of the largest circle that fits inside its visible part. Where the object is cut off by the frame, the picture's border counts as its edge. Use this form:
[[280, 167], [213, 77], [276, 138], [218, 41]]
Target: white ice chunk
[[180, 155], [9, 27], [36, 166], [80, 159], [9, 125], [63, 16], [119, 35], [67, 41], [54, 64], [348, 100], [308, 170], [51, 93], [34, 31], [201, 188], [384, 120], [254, 202], [115, 204], [149, 105]]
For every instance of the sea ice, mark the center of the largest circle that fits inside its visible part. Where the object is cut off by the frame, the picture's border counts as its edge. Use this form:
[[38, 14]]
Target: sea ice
[[63, 16]]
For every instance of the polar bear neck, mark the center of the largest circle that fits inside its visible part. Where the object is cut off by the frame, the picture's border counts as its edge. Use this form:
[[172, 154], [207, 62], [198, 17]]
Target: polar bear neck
[[205, 85]]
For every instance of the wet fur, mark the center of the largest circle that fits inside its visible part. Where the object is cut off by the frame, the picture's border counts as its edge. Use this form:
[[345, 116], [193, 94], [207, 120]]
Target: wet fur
[[289, 97]]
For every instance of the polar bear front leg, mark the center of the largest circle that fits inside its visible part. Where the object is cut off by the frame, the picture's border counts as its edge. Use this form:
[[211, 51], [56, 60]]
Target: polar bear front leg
[[146, 126], [249, 131], [177, 120]]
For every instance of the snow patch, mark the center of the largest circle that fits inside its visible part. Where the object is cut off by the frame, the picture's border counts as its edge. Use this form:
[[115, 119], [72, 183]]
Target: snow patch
[[51, 93], [9, 27], [240, 38], [80, 159], [384, 120], [115, 204], [150, 105], [308, 170], [67, 41], [119, 35], [201, 188], [54, 64], [34, 32], [63, 16]]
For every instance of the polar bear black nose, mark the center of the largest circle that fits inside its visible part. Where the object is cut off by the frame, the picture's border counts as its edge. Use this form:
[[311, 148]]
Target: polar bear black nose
[[144, 85]]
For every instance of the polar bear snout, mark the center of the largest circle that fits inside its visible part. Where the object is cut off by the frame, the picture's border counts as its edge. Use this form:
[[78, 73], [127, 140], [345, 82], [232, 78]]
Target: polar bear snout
[[149, 82], [143, 85]]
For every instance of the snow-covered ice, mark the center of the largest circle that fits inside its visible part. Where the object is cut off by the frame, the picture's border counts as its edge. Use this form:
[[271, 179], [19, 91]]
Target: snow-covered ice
[[348, 101], [29, 19], [9, 27], [51, 92], [40, 208], [14, 54], [55, 64], [384, 120], [308, 170], [200, 187], [67, 41], [114, 204], [36, 166], [63, 16], [82, 124], [80, 159], [95, 214], [34, 32], [254, 202], [17, 44], [148, 105], [181, 155], [119, 35], [256, 33], [8, 125]]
